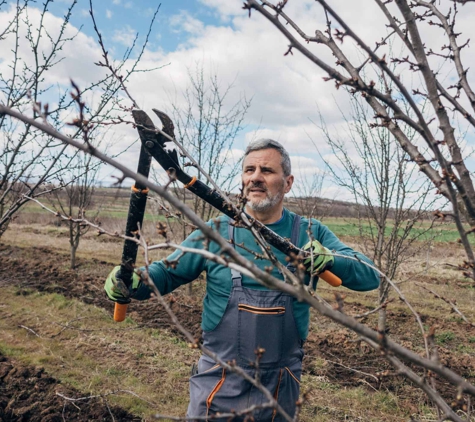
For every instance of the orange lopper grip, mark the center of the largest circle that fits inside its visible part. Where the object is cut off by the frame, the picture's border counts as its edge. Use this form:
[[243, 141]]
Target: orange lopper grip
[[330, 278], [120, 310]]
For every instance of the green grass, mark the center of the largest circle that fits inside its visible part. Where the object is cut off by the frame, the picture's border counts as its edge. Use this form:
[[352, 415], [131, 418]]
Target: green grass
[[350, 227], [444, 337], [462, 348], [117, 209], [13, 352]]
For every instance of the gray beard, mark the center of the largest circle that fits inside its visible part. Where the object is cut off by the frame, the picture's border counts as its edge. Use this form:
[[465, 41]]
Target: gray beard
[[265, 204]]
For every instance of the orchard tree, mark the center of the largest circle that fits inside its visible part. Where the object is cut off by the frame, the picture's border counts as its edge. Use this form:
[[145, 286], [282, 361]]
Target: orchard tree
[[207, 122], [439, 105], [75, 198], [393, 200], [33, 164], [307, 194], [28, 157]]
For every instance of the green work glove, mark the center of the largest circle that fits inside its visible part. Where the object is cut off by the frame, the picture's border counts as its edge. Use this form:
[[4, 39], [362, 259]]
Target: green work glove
[[116, 289], [320, 262]]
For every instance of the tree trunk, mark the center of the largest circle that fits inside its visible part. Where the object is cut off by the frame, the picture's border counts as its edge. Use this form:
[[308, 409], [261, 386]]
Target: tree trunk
[[383, 295], [74, 237], [73, 257]]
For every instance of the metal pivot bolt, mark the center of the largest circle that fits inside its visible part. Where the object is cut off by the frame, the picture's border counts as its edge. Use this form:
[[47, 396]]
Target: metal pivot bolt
[[149, 144]]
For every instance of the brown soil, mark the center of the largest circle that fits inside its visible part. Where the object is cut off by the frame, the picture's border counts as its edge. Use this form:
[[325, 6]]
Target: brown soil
[[29, 394], [346, 361]]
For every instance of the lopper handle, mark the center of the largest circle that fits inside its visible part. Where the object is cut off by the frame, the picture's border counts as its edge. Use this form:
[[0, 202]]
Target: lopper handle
[[123, 275], [120, 310], [330, 278]]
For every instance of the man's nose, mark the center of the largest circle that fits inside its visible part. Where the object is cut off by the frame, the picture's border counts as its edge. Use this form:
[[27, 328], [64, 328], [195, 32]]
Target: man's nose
[[257, 176]]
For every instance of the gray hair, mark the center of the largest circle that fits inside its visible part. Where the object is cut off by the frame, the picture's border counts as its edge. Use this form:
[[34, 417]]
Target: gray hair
[[265, 143]]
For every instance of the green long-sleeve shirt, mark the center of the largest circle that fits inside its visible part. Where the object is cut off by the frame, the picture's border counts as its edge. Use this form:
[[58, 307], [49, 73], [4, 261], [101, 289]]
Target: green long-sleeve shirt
[[354, 275]]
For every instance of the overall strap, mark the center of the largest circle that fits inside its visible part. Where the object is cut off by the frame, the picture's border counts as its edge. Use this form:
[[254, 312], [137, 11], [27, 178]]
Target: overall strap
[[235, 274], [294, 237]]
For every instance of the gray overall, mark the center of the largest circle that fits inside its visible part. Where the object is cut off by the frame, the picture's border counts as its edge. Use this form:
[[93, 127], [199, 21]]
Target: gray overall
[[253, 319]]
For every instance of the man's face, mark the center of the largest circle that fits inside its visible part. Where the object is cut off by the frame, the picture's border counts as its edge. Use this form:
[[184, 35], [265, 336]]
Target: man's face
[[263, 180]]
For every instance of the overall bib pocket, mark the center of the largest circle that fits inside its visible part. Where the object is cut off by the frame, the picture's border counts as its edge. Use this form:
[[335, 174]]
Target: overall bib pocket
[[260, 326]]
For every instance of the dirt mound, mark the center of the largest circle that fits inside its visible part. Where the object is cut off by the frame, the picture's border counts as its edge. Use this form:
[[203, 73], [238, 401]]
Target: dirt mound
[[29, 394]]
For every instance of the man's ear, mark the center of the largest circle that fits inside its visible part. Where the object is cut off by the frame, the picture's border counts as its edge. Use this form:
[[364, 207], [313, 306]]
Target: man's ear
[[289, 181]]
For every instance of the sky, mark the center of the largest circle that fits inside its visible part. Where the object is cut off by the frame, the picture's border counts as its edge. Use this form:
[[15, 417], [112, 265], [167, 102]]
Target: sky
[[289, 94]]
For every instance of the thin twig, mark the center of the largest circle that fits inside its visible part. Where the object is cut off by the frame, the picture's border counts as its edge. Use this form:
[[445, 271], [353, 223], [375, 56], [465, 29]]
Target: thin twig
[[101, 396], [452, 304], [30, 330], [383, 305]]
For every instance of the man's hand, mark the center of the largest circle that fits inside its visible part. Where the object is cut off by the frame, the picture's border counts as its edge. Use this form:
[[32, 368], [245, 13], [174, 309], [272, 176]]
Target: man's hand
[[322, 258], [116, 289]]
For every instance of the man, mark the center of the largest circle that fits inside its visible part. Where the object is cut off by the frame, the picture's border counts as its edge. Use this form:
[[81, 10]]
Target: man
[[240, 315]]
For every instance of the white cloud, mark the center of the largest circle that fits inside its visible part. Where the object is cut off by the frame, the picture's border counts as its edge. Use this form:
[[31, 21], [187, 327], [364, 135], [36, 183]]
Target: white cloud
[[226, 8], [108, 14], [125, 36], [284, 89], [287, 92], [233, 155], [304, 139], [305, 166], [183, 21], [78, 55]]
